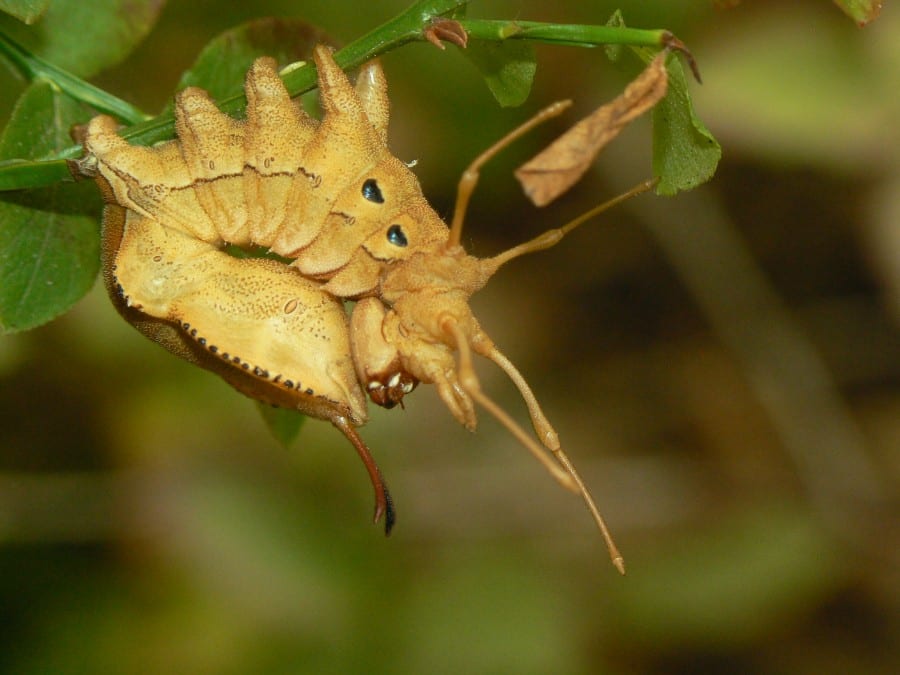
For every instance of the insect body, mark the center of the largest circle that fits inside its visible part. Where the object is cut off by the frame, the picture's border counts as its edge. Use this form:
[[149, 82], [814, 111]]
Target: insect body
[[351, 222]]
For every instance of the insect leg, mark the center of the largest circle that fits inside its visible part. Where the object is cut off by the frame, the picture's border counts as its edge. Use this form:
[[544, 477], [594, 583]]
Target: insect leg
[[384, 505], [469, 178]]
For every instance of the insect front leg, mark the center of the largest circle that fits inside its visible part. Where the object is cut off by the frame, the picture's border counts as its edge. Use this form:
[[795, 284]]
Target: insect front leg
[[434, 363], [378, 364], [456, 397], [407, 331], [390, 362]]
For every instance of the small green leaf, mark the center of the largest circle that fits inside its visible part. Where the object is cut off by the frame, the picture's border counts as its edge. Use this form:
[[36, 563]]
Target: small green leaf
[[861, 11], [685, 154], [222, 64], [508, 68], [32, 67], [614, 51], [85, 37], [283, 424], [26, 11], [49, 240], [49, 253]]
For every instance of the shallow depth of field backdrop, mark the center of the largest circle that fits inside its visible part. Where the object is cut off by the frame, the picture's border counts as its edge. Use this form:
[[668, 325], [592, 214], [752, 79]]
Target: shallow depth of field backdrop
[[724, 367]]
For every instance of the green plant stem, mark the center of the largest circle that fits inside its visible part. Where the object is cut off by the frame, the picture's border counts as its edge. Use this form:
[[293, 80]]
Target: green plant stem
[[21, 174], [573, 35], [408, 26], [33, 67]]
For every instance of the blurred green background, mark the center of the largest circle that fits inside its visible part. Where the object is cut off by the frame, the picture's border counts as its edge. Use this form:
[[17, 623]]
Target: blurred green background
[[723, 367]]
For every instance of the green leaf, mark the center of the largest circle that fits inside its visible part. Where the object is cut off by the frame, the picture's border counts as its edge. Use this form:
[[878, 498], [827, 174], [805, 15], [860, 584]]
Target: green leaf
[[32, 67], [283, 424], [40, 122], [49, 253], [49, 241], [861, 11], [614, 51], [685, 154], [508, 68], [85, 37], [221, 66], [27, 11]]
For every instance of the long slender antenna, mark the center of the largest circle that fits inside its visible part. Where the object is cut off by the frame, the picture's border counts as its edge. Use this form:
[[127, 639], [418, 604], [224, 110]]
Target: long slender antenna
[[552, 237], [614, 554], [469, 381], [469, 178], [550, 439], [570, 478]]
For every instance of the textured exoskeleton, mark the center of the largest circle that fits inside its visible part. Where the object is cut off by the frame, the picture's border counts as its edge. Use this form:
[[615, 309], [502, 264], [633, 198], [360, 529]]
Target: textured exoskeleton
[[352, 223]]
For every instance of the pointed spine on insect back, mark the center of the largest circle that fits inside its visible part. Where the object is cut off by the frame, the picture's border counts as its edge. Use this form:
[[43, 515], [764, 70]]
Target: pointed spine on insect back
[[377, 213], [328, 196]]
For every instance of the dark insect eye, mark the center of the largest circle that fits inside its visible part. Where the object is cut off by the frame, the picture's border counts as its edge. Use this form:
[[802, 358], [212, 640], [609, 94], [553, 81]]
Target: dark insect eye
[[395, 236], [372, 192]]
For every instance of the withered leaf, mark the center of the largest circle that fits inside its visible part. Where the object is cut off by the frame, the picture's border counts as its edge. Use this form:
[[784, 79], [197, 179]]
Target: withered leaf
[[558, 167]]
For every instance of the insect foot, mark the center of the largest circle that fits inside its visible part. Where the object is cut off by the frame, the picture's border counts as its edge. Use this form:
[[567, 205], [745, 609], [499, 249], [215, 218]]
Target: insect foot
[[348, 222], [377, 362]]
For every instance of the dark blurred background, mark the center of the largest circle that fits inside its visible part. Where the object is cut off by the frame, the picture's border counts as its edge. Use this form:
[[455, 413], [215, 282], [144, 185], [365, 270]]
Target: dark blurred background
[[723, 367]]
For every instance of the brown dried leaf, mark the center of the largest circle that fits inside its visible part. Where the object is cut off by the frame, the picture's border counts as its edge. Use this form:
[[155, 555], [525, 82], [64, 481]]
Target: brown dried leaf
[[558, 167]]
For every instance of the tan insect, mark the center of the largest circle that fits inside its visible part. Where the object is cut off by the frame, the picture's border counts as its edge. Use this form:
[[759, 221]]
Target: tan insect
[[349, 222]]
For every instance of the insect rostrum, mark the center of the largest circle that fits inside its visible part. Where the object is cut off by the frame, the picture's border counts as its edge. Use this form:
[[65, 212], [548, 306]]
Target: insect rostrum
[[351, 220]]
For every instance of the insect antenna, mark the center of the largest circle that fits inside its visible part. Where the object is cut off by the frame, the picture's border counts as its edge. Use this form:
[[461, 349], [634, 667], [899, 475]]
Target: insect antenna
[[469, 381], [469, 178], [562, 468], [552, 237]]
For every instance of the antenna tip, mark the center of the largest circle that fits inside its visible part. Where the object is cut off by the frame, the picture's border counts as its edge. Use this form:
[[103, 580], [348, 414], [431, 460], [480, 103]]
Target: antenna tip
[[619, 562]]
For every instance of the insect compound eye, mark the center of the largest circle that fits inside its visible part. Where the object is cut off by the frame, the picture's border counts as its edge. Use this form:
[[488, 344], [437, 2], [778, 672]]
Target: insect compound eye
[[372, 192], [396, 236]]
